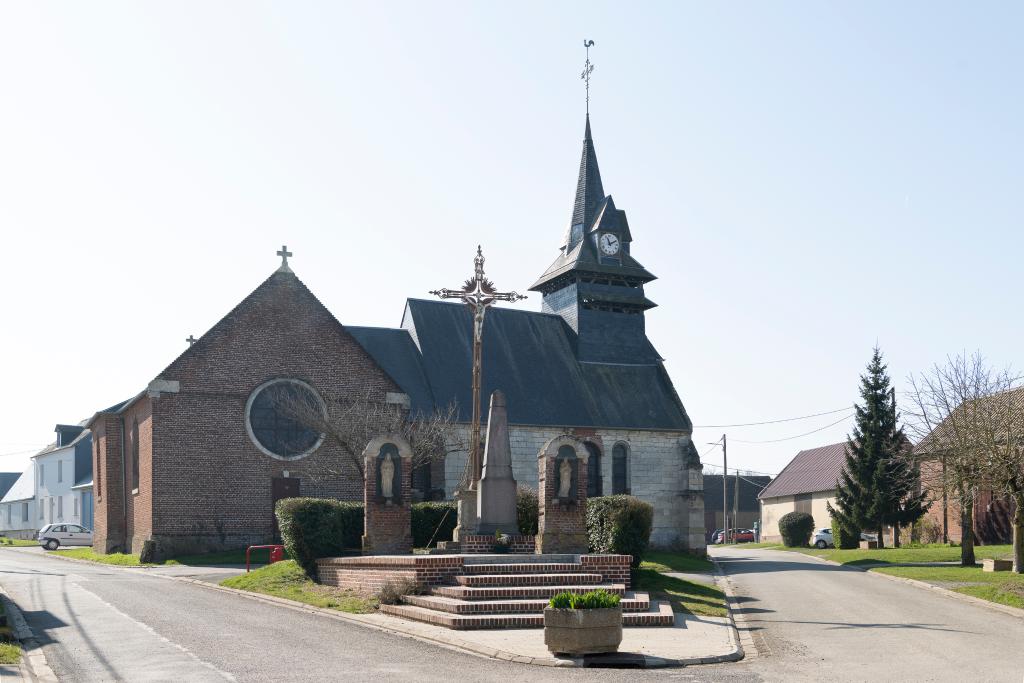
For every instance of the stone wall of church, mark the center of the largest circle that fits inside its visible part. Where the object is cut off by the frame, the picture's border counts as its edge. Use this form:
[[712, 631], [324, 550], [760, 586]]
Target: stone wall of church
[[656, 473]]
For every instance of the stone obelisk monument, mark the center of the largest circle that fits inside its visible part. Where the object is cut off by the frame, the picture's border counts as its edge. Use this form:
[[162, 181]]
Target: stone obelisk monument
[[496, 494]]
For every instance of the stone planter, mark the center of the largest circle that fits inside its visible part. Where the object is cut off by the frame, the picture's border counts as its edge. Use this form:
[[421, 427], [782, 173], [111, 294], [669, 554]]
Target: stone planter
[[582, 631], [869, 545], [997, 565]]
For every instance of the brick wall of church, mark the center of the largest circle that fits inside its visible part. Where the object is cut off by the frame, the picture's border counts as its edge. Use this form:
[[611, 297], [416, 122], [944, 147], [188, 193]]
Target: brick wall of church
[[656, 474], [212, 487]]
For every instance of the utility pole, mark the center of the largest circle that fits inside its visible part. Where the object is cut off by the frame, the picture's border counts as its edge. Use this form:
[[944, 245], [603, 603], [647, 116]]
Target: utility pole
[[736, 502], [725, 494]]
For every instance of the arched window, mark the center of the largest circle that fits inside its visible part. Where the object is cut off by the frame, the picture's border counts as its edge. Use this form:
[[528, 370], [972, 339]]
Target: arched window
[[620, 469], [135, 454], [594, 487]]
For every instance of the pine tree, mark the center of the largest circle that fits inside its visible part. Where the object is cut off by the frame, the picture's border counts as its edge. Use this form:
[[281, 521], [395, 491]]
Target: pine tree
[[879, 484]]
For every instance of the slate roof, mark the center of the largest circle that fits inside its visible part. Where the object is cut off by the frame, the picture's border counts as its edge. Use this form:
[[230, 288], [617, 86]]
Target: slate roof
[[595, 212], [7, 480], [750, 487], [529, 356], [811, 471], [24, 488]]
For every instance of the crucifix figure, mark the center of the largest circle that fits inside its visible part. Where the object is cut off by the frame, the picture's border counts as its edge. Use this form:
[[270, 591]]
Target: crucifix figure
[[479, 294], [284, 254], [191, 340]]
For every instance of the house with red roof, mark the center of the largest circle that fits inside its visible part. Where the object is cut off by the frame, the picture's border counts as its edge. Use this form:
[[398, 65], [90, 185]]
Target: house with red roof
[[806, 484]]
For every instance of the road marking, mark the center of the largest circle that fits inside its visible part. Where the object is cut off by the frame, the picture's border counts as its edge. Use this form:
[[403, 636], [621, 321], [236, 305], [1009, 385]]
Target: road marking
[[149, 629]]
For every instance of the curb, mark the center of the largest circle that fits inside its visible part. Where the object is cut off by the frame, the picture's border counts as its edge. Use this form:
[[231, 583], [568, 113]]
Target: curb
[[33, 665], [1005, 609], [644, 661], [743, 642]]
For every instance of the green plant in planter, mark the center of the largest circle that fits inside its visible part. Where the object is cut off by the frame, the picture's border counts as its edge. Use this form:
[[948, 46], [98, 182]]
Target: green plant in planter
[[502, 542], [600, 599]]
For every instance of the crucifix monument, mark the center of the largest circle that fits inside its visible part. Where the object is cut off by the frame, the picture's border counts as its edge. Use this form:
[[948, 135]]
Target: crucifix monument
[[479, 294]]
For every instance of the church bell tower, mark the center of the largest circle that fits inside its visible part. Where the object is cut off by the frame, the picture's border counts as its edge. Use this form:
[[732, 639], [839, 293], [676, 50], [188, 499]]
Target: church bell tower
[[595, 284]]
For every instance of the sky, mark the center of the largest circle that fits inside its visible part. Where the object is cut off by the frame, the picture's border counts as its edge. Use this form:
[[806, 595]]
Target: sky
[[806, 180]]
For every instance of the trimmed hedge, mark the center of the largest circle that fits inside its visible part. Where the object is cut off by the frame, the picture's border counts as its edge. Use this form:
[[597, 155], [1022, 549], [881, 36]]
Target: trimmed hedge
[[527, 510], [427, 518], [312, 528], [796, 529], [843, 538], [620, 525]]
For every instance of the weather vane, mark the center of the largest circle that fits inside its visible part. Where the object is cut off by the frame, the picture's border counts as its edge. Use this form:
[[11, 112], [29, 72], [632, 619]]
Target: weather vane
[[588, 68]]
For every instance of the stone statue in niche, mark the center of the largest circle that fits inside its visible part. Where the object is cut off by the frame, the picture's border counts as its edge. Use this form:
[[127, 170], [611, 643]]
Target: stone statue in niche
[[389, 474], [564, 479], [566, 464]]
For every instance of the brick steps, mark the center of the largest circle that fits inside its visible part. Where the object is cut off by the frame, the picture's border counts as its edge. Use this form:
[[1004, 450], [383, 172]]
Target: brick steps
[[632, 602], [658, 614], [494, 592], [532, 579], [526, 568]]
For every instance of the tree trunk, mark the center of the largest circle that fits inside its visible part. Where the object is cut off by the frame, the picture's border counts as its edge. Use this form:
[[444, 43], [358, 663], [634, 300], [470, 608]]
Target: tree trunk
[[896, 535], [1018, 533], [881, 538], [967, 531]]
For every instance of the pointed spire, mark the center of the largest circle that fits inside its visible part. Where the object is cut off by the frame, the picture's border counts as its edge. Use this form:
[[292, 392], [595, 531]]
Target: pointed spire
[[589, 190]]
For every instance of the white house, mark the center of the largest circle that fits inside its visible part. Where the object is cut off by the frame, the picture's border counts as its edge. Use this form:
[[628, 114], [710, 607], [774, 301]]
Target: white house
[[18, 507], [61, 470]]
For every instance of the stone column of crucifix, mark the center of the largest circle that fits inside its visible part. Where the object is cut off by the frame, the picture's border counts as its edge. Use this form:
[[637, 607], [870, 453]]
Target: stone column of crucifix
[[479, 294]]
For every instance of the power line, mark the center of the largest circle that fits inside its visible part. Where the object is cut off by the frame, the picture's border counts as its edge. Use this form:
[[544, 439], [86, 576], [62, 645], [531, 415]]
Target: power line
[[741, 469], [790, 438], [772, 422], [31, 450]]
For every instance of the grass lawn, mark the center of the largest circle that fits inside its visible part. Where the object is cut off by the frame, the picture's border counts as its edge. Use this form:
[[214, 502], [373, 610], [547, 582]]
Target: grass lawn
[[123, 559], [256, 557], [688, 597], [755, 545], [17, 542], [930, 553], [675, 562], [10, 653], [287, 580], [1003, 587]]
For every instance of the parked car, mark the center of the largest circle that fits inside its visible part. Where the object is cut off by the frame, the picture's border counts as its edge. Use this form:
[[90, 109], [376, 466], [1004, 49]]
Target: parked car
[[52, 536], [713, 536], [823, 538], [739, 535]]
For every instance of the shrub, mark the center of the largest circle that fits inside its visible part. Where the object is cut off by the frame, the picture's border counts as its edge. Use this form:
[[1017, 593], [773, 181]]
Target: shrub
[[620, 525], [845, 539], [394, 590], [435, 521], [312, 528], [796, 529], [527, 509], [599, 599]]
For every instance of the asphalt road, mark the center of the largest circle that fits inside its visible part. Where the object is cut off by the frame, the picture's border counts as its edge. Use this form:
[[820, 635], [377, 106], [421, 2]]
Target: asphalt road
[[810, 622], [109, 624], [818, 622]]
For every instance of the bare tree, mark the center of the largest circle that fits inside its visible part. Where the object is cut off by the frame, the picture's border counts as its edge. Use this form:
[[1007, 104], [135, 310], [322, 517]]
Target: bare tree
[[968, 420], [351, 423]]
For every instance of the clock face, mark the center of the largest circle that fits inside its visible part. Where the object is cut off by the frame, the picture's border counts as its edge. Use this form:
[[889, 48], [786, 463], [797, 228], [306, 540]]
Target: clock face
[[609, 244]]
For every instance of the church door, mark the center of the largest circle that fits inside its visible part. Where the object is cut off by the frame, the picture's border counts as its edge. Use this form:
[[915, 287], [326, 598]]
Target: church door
[[281, 487]]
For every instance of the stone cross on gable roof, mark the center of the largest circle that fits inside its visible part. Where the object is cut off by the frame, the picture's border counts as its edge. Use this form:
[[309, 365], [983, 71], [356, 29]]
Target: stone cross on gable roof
[[284, 254], [191, 340]]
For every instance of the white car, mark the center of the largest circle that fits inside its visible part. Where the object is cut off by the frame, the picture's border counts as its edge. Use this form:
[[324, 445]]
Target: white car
[[823, 539], [52, 536]]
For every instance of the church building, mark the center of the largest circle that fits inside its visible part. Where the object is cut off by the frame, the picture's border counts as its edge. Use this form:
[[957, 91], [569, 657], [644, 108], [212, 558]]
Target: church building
[[197, 460]]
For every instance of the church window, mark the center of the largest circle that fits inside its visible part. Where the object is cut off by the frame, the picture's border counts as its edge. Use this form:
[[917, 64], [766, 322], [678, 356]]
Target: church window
[[135, 454], [24, 512], [594, 487], [279, 419], [620, 469]]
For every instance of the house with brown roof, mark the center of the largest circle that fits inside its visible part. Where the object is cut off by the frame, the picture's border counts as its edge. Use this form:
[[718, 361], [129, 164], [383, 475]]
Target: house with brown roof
[[806, 484]]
